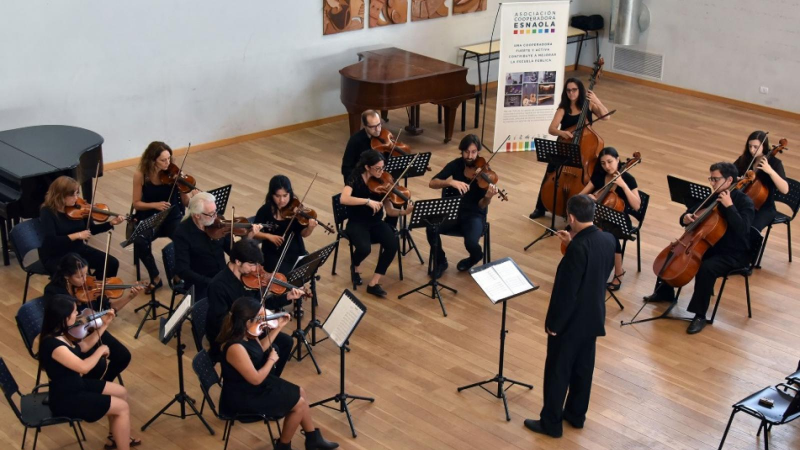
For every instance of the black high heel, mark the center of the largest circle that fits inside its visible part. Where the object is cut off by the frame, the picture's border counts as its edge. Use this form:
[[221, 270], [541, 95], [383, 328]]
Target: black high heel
[[615, 287]]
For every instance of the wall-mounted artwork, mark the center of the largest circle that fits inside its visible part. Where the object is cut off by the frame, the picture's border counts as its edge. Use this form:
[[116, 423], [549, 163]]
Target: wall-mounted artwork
[[468, 6], [387, 12], [428, 9], [342, 15]]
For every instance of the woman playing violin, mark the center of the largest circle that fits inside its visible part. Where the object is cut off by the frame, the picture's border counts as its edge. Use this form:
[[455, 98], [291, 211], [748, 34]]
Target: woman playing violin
[[569, 110], [63, 235], [364, 225], [768, 171], [280, 194], [150, 197], [625, 187], [72, 393]]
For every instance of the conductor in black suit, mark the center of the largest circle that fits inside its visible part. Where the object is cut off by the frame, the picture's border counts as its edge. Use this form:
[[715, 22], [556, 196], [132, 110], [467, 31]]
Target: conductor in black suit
[[575, 318]]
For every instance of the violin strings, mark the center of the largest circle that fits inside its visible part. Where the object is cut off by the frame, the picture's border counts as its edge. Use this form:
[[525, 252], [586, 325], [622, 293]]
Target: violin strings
[[175, 183]]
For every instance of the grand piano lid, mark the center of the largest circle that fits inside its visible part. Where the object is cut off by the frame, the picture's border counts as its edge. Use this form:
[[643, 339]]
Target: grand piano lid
[[17, 165], [390, 65], [59, 145]]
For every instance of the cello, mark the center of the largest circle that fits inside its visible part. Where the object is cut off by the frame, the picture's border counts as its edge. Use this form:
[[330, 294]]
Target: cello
[[572, 180], [757, 192]]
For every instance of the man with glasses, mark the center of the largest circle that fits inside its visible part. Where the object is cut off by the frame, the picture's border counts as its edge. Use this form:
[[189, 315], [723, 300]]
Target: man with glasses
[[361, 141], [198, 258], [730, 252]]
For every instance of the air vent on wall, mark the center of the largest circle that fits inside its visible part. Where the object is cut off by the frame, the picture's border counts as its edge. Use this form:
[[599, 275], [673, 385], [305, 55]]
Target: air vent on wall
[[636, 62]]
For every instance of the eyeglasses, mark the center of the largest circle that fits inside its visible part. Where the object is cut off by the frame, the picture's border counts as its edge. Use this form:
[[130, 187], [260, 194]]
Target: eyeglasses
[[377, 169], [211, 214], [715, 179], [378, 125], [572, 90]]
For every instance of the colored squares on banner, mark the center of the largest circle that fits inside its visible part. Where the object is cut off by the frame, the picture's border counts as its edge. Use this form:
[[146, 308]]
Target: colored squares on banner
[[520, 146], [552, 30]]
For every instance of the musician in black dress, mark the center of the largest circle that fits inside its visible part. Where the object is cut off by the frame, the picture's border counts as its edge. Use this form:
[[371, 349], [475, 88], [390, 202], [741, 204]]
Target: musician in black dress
[[567, 115], [63, 235], [473, 208], [575, 318], [731, 251], [150, 197], [605, 170], [249, 385], [65, 362], [198, 258], [227, 286], [364, 226], [768, 171], [279, 195]]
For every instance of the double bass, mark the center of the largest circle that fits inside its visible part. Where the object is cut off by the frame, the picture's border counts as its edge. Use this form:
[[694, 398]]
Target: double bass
[[757, 192], [572, 180]]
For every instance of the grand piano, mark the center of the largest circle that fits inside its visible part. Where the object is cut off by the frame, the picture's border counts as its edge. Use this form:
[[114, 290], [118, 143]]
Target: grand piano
[[392, 78], [32, 157]]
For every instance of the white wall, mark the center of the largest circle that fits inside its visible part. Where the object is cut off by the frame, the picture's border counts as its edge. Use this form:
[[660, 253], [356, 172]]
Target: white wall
[[728, 48], [196, 71]]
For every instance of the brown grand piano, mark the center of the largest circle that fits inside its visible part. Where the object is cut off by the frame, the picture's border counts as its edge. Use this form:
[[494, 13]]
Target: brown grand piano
[[391, 78]]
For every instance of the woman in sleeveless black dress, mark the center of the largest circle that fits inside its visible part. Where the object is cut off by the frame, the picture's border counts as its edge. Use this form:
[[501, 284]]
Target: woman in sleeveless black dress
[[65, 363], [150, 197], [769, 172], [248, 386], [567, 115]]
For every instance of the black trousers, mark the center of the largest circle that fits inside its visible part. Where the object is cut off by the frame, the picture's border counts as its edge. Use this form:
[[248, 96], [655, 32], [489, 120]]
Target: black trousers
[[94, 257], [471, 227], [363, 234], [284, 343], [764, 218], [144, 248], [117, 360], [568, 368], [712, 267]]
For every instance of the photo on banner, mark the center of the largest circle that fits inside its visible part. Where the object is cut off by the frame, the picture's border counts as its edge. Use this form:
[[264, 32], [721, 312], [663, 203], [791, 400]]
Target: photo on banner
[[533, 48]]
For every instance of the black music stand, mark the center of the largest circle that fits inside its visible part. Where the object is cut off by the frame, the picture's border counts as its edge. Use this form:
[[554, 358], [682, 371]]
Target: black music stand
[[301, 275], [686, 192], [221, 196], [340, 325], [434, 213], [617, 223], [560, 154], [167, 329], [501, 281], [395, 166]]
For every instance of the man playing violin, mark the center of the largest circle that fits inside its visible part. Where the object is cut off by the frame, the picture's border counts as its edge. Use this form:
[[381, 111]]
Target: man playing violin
[[730, 252], [227, 286], [360, 141], [473, 208], [198, 257]]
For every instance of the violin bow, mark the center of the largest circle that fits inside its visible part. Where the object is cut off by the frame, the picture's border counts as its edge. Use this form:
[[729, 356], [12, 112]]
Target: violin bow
[[233, 216], [760, 145], [277, 265], [94, 195], [394, 142], [408, 166], [174, 183], [288, 227], [494, 153]]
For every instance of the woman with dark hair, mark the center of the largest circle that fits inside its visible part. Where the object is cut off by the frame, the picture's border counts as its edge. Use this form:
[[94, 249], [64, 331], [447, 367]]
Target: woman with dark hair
[[69, 280], [364, 226], [626, 188], [279, 195], [768, 171], [150, 197], [64, 361], [63, 235], [569, 110], [249, 387]]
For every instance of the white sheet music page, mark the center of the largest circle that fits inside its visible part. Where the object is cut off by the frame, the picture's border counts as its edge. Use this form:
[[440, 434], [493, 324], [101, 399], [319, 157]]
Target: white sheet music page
[[502, 281], [179, 313], [343, 318], [516, 282]]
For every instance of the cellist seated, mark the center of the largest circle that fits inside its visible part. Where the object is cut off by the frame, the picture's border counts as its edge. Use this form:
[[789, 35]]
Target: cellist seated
[[730, 252]]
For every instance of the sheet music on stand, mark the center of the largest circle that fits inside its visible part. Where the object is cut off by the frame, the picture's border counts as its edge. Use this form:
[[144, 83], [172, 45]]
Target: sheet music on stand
[[344, 318], [151, 223], [167, 328], [686, 192], [502, 280], [397, 164], [221, 196]]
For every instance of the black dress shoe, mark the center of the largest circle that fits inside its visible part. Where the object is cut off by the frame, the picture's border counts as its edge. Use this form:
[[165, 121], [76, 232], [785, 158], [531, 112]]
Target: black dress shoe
[[537, 213], [466, 264], [574, 423], [536, 427], [376, 290], [357, 279], [654, 298], [440, 268], [697, 325]]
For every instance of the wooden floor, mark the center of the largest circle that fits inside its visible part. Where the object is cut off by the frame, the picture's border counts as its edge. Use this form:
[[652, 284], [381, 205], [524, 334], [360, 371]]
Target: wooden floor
[[654, 386]]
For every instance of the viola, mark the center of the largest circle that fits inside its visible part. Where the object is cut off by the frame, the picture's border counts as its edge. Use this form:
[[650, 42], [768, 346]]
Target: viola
[[386, 144], [679, 262], [756, 190], [240, 226], [174, 175], [100, 212], [261, 278], [385, 185], [269, 320], [483, 175], [607, 196], [114, 288], [295, 209], [86, 322]]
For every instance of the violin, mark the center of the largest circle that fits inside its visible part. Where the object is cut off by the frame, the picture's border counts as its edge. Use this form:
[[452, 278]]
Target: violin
[[100, 212], [484, 177], [114, 288], [174, 175], [679, 262], [295, 209], [756, 190], [268, 321], [387, 145], [86, 322], [240, 226], [607, 196], [261, 278], [385, 185]]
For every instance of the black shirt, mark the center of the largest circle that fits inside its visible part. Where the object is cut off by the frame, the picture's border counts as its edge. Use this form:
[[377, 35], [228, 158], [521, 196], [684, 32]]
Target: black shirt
[[56, 228], [356, 145], [570, 121], [272, 253], [152, 193], [739, 216], [599, 180], [362, 213], [469, 204], [766, 180], [62, 379], [198, 258]]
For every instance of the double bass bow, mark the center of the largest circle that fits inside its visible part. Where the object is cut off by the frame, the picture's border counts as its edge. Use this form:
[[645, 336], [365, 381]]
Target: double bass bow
[[756, 190]]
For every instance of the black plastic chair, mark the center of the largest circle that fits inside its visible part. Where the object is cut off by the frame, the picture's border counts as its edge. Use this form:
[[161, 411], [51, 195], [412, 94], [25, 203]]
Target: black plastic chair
[[198, 319], [177, 285], [33, 411], [785, 408], [26, 238], [635, 234], [30, 317], [792, 199], [746, 271], [208, 377]]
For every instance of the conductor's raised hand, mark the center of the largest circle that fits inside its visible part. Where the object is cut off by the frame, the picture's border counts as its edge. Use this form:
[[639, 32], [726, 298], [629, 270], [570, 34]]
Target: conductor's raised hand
[[564, 236]]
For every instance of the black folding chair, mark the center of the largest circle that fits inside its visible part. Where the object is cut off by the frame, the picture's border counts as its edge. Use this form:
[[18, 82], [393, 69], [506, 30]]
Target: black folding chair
[[635, 234], [785, 408], [26, 238], [792, 199], [746, 271], [30, 317], [198, 319], [177, 285]]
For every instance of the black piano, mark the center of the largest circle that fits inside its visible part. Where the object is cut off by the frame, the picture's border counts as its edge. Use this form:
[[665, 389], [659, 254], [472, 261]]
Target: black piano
[[32, 157]]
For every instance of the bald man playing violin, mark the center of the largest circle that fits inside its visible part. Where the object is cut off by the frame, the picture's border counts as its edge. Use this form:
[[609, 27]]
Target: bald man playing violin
[[361, 141]]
